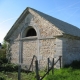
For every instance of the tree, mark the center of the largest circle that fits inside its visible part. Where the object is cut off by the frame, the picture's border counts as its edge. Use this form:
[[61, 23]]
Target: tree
[[4, 44]]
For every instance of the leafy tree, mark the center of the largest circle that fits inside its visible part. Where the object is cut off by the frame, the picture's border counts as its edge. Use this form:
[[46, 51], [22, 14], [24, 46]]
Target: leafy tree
[[4, 44]]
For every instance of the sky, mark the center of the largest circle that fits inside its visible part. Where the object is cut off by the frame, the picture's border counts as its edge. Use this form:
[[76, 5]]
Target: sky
[[65, 10]]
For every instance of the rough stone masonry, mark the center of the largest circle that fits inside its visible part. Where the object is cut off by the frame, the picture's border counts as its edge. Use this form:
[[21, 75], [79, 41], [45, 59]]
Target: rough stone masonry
[[36, 33]]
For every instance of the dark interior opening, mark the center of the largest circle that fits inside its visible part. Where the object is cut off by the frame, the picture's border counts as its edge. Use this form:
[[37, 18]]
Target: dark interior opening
[[31, 32]]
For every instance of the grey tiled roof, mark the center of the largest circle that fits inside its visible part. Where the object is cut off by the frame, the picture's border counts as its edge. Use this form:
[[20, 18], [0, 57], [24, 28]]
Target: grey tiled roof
[[63, 26]]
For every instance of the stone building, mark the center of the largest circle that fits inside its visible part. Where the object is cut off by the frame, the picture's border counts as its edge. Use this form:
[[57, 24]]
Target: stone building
[[36, 33]]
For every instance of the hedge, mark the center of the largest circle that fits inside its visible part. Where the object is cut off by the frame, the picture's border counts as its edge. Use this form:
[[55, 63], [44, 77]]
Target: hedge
[[2, 53]]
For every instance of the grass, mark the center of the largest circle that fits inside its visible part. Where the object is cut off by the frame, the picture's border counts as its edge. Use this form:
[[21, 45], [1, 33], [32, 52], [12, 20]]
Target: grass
[[59, 74], [65, 74], [14, 76]]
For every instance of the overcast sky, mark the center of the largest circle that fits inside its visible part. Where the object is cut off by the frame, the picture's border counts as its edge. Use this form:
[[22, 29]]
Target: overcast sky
[[10, 10]]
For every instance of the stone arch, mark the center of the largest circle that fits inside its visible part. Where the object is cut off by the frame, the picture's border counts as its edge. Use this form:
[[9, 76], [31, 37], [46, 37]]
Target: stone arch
[[31, 32], [25, 30]]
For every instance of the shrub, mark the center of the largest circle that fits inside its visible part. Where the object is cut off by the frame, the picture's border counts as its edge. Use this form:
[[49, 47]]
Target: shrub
[[9, 67], [4, 60], [2, 78], [2, 53]]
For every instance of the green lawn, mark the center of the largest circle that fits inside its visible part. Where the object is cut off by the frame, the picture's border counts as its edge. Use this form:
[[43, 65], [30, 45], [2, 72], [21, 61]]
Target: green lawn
[[14, 76], [65, 74], [60, 74]]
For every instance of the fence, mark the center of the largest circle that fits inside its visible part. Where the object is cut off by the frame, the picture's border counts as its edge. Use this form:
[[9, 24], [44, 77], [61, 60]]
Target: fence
[[37, 68], [49, 69], [31, 65]]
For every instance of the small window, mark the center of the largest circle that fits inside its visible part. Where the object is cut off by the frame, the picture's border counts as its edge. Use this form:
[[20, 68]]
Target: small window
[[31, 32]]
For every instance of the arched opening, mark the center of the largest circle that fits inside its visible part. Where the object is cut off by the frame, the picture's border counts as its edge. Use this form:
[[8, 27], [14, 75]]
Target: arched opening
[[31, 32]]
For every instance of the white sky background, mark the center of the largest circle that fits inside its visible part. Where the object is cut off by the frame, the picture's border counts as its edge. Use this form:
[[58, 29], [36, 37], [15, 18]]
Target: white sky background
[[10, 10]]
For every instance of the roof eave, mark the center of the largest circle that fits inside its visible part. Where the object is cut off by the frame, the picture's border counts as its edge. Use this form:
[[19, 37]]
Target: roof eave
[[25, 12]]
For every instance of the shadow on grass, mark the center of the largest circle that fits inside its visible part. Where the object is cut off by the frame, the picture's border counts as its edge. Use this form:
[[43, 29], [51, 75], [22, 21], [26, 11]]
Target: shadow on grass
[[75, 65]]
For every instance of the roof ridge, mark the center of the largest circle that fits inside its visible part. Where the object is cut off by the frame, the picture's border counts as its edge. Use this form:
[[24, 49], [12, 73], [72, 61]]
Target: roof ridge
[[51, 16], [60, 24]]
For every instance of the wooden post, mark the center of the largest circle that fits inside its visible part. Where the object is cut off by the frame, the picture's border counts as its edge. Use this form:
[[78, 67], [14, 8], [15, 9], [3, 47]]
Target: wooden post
[[19, 72], [20, 59], [37, 70], [32, 67], [60, 61], [48, 65], [53, 66]]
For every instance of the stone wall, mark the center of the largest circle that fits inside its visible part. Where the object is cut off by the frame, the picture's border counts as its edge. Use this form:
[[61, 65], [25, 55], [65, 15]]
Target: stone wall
[[46, 29], [58, 51], [29, 49], [68, 48], [71, 50], [14, 51], [46, 47], [46, 43], [47, 50], [16, 34]]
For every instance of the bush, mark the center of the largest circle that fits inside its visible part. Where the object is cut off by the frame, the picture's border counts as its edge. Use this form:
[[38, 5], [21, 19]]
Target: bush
[[2, 78], [5, 66], [9, 67], [2, 53], [4, 60]]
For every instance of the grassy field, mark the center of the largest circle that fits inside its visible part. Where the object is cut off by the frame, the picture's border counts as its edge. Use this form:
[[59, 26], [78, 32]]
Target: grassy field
[[14, 76], [65, 74], [61, 74]]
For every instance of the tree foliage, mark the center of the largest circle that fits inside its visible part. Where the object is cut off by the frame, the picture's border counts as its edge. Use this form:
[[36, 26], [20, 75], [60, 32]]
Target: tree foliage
[[4, 44]]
